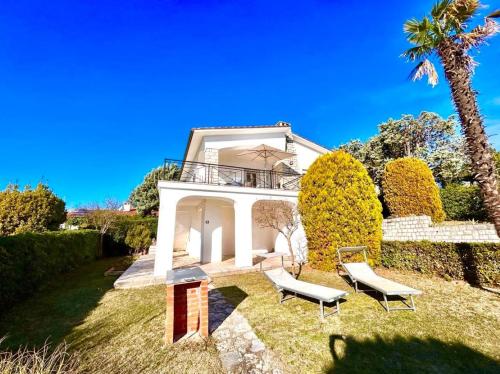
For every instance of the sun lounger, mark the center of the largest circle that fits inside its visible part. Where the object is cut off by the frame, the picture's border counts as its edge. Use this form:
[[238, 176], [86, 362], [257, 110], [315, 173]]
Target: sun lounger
[[284, 282], [361, 272]]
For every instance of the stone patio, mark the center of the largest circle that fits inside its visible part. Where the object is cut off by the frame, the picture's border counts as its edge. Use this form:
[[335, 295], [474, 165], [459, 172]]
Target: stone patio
[[140, 273]]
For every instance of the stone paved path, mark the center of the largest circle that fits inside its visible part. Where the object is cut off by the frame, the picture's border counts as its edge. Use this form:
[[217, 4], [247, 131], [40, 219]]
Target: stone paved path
[[240, 350]]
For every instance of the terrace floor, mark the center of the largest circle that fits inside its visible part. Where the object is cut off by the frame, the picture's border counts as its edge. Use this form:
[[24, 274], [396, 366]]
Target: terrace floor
[[140, 273]]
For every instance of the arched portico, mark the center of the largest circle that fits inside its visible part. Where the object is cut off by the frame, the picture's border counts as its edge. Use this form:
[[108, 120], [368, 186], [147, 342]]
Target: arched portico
[[204, 228], [208, 211]]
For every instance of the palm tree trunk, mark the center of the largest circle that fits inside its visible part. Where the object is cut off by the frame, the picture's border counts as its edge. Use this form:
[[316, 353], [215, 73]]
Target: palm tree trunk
[[456, 64]]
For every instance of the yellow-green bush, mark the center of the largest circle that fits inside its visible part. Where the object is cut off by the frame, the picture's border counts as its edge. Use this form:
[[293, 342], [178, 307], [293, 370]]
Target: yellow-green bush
[[410, 190], [339, 207]]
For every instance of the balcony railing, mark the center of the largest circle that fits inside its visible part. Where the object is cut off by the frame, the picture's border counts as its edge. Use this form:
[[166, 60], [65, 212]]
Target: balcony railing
[[224, 175]]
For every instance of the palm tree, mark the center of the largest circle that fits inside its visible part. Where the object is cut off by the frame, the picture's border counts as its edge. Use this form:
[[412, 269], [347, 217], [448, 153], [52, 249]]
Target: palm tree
[[444, 34]]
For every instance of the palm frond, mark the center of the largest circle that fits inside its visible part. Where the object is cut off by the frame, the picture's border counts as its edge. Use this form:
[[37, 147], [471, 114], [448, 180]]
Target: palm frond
[[419, 32], [425, 67], [461, 11], [479, 34], [495, 14], [439, 9], [418, 52]]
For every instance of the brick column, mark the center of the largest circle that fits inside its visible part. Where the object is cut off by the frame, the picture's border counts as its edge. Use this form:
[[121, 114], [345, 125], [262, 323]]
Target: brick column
[[203, 329], [187, 310], [169, 321]]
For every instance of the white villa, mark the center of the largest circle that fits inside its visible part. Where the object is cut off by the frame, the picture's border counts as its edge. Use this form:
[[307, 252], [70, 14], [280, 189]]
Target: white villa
[[209, 211]]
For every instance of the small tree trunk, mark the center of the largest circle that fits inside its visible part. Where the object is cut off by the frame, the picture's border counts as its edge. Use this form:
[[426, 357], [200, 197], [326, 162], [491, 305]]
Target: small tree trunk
[[101, 246], [455, 62], [290, 248]]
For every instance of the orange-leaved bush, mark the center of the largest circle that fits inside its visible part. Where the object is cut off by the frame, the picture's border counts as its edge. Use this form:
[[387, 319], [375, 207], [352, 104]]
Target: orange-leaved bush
[[410, 190], [339, 207]]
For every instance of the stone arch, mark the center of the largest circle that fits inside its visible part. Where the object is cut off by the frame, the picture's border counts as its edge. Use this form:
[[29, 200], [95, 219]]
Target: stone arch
[[204, 227]]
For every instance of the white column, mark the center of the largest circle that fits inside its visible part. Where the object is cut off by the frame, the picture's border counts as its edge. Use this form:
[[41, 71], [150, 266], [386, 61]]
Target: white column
[[243, 233], [166, 232]]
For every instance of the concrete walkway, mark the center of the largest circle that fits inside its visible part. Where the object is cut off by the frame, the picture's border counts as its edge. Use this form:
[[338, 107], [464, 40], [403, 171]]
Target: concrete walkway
[[240, 350], [139, 274]]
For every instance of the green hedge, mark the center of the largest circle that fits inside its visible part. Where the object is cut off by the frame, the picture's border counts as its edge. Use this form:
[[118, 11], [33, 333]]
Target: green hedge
[[476, 263], [29, 260], [463, 203], [115, 241], [124, 224]]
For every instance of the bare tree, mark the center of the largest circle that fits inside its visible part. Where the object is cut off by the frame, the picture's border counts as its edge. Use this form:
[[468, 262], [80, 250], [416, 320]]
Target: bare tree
[[102, 217], [284, 218]]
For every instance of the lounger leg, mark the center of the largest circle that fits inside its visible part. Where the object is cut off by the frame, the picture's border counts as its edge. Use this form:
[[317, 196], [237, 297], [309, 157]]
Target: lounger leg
[[386, 303], [321, 310], [281, 295], [413, 304], [338, 307], [356, 286]]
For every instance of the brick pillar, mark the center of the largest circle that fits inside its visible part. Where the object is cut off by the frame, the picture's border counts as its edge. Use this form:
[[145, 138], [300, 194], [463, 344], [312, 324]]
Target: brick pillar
[[169, 322], [203, 329], [187, 310]]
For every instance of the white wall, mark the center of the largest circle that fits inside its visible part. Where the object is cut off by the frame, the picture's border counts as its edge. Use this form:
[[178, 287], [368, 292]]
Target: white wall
[[228, 231], [247, 140], [173, 194], [305, 155], [194, 239], [182, 227]]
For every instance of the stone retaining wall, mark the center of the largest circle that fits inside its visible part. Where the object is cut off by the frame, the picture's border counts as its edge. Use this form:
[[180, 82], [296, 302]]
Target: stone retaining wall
[[422, 228]]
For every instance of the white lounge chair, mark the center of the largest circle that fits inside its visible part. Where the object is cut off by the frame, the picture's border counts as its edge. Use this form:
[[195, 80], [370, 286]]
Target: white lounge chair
[[361, 272], [283, 281]]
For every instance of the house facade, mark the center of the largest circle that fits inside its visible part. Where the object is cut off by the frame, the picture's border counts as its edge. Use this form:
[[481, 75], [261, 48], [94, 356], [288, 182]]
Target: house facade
[[209, 210]]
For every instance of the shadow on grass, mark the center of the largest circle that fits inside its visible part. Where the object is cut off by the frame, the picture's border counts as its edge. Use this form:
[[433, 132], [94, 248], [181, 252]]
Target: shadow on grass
[[220, 309], [58, 307], [406, 355]]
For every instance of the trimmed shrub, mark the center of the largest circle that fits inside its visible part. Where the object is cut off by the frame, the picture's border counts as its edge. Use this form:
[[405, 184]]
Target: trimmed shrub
[[339, 207], [29, 260], [114, 241], [124, 224], [462, 203], [477, 263], [410, 190], [138, 238], [30, 210]]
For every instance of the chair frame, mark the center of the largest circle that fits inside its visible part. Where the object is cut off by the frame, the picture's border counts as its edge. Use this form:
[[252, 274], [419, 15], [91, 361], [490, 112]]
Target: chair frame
[[356, 249], [322, 315]]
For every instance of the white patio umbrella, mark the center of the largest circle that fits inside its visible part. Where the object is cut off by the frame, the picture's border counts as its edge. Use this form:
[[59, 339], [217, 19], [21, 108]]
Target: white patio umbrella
[[265, 152]]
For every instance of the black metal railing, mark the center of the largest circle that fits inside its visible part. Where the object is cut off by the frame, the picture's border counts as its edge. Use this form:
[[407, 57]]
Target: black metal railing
[[225, 175]]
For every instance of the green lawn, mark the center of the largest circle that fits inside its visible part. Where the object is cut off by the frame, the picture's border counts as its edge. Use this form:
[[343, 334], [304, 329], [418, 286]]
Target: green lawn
[[456, 328], [114, 331]]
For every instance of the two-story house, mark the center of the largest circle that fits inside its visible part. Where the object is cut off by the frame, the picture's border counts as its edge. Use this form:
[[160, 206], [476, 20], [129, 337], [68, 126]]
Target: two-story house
[[209, 210]]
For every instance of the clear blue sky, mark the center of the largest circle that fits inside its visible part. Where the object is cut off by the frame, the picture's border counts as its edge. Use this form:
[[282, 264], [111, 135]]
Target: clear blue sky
[[93, 94]]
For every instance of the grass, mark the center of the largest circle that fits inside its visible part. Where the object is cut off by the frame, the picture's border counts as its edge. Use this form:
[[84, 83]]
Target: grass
[[39, 360], [456, 328], [112, 331]]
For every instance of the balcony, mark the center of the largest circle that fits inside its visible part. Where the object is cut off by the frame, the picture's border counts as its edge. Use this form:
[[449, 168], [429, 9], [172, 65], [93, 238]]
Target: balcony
[[233, 176]]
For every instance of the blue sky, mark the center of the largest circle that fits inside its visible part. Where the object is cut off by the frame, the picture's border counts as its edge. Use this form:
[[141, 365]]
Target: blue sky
[[93, 94]]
